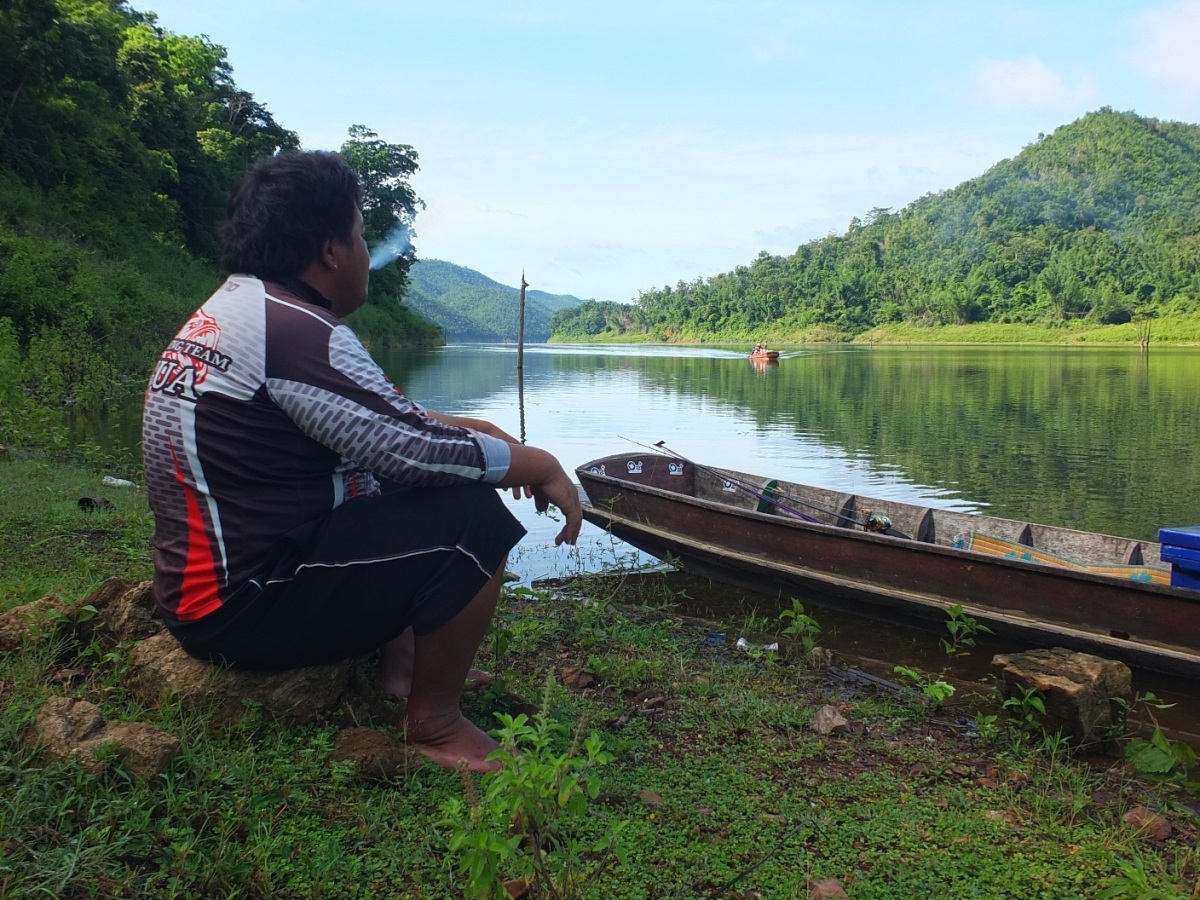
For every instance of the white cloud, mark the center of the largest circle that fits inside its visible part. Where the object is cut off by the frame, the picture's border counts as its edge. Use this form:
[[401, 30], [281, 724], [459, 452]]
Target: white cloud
[[1029, 84], [1169, 47]]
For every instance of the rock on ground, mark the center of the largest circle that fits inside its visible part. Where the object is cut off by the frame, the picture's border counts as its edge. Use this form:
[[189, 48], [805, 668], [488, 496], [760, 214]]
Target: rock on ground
[[376, 756], [828, 720], [161, 669], [826, 889], [1085, 695], [75, 729]]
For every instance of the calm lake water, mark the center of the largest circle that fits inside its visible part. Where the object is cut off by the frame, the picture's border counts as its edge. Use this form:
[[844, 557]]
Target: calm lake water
[[1097, 439]]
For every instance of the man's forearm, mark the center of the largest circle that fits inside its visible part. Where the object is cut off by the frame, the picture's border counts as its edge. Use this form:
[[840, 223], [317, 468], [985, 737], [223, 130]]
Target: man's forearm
[[480, 425]]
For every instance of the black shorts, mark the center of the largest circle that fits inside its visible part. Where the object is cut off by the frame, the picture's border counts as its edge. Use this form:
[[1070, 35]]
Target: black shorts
[[356, 578]]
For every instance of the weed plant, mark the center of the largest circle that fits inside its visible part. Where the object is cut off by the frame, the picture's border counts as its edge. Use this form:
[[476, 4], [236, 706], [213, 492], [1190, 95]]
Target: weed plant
[[962, 629], [800, 627], [714, 779], [530, 822]]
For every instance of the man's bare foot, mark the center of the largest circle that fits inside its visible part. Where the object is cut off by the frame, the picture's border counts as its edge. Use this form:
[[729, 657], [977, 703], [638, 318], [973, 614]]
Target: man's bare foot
[[452, 741]]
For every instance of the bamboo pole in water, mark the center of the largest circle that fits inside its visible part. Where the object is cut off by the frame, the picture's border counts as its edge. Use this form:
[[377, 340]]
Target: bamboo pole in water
[[521, 355], [521, 328]]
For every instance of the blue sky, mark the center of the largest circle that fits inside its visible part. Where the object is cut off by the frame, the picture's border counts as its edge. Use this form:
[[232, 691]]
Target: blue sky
[[610, 148]]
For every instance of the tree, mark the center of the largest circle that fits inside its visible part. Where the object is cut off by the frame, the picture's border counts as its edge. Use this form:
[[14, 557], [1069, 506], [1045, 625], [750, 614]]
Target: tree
[[389, 207], [388, 198], [205, 130]]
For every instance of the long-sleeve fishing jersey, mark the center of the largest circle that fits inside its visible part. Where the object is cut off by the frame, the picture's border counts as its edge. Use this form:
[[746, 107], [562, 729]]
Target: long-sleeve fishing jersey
[[264, 413]]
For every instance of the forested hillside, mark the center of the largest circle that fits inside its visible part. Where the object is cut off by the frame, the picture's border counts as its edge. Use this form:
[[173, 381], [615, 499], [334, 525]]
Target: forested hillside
[[1098, 221], [119, 141], [469, 306]]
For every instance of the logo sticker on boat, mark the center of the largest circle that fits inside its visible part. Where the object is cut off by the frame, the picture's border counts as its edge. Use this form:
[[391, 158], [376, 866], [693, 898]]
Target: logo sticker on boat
[[634, 466], [597, 470], [675, 468], [728, 486]]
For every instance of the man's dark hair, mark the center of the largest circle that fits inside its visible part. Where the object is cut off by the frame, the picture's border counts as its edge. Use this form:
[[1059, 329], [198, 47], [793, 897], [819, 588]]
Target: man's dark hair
[[284, 209]]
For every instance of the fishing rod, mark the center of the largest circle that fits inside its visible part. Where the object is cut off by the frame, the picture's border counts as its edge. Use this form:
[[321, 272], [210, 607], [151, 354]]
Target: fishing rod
[[727, 478], [874, 522], [772, 499]]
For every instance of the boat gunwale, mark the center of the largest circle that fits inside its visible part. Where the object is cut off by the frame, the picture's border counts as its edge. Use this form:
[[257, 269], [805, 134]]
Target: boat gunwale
[[891, 541]]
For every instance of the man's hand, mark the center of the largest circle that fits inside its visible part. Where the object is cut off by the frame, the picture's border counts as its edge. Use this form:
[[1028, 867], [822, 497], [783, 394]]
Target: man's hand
[[533, 475], [563, 494], [536, 474]]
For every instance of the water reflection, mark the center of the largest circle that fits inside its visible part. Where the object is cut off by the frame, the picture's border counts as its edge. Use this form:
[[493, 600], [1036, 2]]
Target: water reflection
[[1100, 439]]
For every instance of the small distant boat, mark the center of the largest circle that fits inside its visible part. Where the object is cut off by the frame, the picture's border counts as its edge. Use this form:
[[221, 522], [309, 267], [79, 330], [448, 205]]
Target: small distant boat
[[764, 354], [1050, 586]]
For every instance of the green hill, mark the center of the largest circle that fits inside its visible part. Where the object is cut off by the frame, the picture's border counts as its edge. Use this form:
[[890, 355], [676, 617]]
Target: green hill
[[469, 306], [1099, 221]]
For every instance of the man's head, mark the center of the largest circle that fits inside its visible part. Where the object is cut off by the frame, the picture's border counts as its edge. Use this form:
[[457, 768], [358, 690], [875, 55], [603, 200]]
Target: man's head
[[284, 214]]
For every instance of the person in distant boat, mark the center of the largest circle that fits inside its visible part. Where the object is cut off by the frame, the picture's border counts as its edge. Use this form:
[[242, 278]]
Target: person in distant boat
[[307, 511]]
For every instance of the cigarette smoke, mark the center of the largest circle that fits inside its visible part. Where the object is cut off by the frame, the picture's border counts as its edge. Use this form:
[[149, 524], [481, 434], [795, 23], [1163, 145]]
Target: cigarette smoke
[[394, 246]]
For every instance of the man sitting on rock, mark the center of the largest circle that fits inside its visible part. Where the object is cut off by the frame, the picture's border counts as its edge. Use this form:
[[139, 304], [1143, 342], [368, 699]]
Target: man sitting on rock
[[267, 432]]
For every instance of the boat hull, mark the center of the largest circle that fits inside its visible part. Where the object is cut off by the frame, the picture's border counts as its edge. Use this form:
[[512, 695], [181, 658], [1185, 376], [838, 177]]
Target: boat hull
[[1146, 624]]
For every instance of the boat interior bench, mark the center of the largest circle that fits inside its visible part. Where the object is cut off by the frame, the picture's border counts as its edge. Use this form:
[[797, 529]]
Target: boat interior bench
[[947, 528]]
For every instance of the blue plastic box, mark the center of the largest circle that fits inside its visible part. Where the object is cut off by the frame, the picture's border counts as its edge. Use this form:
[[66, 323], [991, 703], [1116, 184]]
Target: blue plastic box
[[1188, 536], [1181, 548]]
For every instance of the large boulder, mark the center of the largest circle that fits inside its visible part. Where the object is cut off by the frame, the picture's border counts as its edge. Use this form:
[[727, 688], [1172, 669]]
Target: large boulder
[[124, 611], [1084, 695], [75, 729], [161, 670]]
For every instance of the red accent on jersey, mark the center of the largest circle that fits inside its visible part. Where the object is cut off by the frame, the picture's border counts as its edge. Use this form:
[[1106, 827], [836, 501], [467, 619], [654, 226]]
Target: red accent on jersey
[[198, 594]]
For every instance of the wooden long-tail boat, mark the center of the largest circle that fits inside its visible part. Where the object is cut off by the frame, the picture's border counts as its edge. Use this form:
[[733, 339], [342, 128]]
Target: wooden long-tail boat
[[1045, 585]]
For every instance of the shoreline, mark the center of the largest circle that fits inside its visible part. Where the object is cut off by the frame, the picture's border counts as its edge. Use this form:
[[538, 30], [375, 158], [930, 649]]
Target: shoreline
[[1172, 331]]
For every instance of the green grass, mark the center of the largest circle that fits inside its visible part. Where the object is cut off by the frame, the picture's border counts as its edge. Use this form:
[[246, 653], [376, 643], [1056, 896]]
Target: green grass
[[723, 788], [49, 545]]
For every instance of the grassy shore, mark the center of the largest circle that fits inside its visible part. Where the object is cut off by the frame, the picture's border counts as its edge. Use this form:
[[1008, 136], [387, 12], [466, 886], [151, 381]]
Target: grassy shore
[[1168, 331], [675, 766], [1175, 331]]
